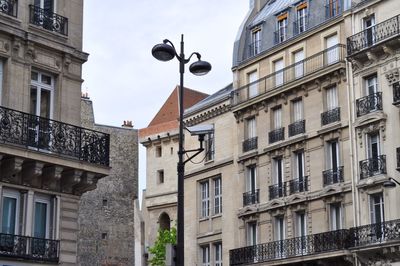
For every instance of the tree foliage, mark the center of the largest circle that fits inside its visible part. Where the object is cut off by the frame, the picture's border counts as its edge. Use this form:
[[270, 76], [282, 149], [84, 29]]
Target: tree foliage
[[158, 250]]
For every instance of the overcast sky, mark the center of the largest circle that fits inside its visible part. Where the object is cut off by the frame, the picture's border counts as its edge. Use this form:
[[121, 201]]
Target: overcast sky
[[122, 78]]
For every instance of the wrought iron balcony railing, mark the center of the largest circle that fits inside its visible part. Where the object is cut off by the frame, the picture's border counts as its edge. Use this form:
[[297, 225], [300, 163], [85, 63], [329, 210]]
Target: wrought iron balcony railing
[[373, 166], [277, 191], [297, 127], [254, 48], [368, 104], [9, 7], [379, 33], [276, 135], [310, 65], [48, 20], [300, 25], [250, 144], [298, 185], [330, 116], [333, 8], [396, 93], [42, 134], [376, 233], [333, 176], [292, 247], [31, 248], [251, 197]]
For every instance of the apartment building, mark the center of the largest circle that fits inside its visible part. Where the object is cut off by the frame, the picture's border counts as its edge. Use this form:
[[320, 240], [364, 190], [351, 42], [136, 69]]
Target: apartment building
[[160, 138], [47, 160]]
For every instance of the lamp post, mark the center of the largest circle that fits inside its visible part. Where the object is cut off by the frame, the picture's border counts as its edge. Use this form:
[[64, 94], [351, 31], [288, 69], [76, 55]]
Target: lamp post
[[164, 52]]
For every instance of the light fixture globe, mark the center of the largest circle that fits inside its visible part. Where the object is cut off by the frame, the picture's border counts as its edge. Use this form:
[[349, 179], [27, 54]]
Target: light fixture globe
[[200, 68], [389, 184], [163, 52]]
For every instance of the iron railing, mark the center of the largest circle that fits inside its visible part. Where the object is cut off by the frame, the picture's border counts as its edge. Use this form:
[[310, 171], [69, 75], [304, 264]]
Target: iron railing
[[31, 248], [376, 233], [277, 191], [251, 197], [292, 247], [369, 103], [383, 31], [9, 7], [333, 176], [333, 9], [276, 135], [281, 35], [373, 166], [250, 144], [48, 20], [42, 134], [297, 127], [310, 65], [254, 48], [298, 185], [330, 116], [300, 25], [396, 93]]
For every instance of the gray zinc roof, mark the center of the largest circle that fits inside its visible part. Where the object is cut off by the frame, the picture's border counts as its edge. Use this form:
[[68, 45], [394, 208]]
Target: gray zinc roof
[[271, 9]]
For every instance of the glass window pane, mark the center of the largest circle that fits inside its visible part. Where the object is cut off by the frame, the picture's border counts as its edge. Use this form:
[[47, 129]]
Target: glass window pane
[[40, 219], [45, 103], [33, 103], [34, 75], [46, 79], [9, 215]]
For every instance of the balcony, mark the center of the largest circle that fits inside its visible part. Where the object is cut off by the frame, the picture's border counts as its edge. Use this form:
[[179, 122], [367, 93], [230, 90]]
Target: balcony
[[53, 137], [396, 94], [330, 116], [277, 191], [276, 135], [250, 144], [320, 61], [370, 37], [48, 20], [333, 9], [377, 233], [254, 48], [9, 7], [292, 247], [369, 104], [298, 185], [298, 127], [373, 166], [333, 176], [29, 248], [251, 197]]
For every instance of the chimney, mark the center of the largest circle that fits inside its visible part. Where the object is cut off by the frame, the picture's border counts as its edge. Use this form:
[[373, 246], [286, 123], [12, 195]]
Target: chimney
[[127, 124]]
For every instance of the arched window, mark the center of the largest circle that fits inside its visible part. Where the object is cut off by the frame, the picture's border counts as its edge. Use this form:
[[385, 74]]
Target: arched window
[[164, 221]]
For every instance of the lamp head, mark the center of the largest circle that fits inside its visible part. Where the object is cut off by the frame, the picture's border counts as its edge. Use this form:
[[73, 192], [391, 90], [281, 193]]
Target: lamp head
[[200, 68], [389, 184], [163, 52]]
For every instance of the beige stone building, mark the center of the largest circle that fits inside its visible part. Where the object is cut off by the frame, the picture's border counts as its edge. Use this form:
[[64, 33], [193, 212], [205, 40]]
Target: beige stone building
[[47, 160]]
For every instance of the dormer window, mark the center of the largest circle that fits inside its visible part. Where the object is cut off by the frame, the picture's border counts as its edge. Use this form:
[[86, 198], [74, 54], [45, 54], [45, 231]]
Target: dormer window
[[281, 32], [301, 21], [255, 41]]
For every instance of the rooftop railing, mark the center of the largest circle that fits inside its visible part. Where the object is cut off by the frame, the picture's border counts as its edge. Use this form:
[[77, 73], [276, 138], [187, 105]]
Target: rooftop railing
[[310, 65]]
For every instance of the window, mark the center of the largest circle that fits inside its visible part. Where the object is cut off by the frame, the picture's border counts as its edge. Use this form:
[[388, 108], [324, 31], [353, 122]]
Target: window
[[205, 251], [335, 216], [104, 236], [278, 171], [277, 117], [252, 233], [105, 202], [299, 64], [209, 146], [1, 78], [42, 90], [301, 224], [377, 208], [217, 195], [373, 150], [255, 41], [160, 176], [301, 18], [299, 169], [332, 50], [251, 183], [278, 68], [331, 98], [10, 212], [45, 4], [205, 199], [218, 254], [332, 8], [371, 85], [279, 228], [281, 33], [42, 217], [333, 155], [158, 151], [253, 85], [297, 110], [251, 128], [369, 29]]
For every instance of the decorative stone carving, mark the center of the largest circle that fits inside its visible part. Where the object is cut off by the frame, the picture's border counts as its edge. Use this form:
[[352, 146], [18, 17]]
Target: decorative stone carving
[[393, 76]]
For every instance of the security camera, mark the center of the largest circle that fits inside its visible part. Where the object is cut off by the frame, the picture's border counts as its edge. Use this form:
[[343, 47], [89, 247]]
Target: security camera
[[200, 130]]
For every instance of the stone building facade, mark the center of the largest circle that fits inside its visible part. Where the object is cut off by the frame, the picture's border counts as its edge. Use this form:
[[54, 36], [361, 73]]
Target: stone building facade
[[47, 160], [106, 214]]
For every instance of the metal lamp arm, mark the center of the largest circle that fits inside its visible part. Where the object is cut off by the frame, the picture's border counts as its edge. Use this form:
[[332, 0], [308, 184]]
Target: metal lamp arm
[[173, 46], [394, 180]]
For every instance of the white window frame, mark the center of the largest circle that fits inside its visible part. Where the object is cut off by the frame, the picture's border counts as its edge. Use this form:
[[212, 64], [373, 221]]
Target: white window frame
[[42, 86], [218, 253], [282, 30], [251, 129], [209, 142], [46, 200], [301, 19], [251, 184], [372, 204], [205, 255], [331, 98], [371, 84], [335, 215], [205, 199], [41, 5], [297, 110], [296, 164], [299, 65], [332, 55], [252, 237], [253, 88], [14, 195], [255, 40], [330, 161], [278, 165], [217, 195], [301, 224], [279, 65], [371, 138], [369, 29], [277, 114]]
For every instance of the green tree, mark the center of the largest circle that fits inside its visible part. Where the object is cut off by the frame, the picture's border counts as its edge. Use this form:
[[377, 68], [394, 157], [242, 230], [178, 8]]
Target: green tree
[[158, 250]]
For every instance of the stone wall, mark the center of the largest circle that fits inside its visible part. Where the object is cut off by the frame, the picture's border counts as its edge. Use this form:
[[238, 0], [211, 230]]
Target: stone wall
[[106, 215]]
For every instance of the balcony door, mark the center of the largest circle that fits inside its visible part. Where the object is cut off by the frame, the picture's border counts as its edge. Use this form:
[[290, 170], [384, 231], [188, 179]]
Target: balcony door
[[278, 169], [252, 234], [301, 231], [335, 216], [333, 160], [332, 55], [280, 236], [299, 64], [377, 217], [299, 169], [279, 75], [253, 87], [373, 151], [369, 30], [251, 184], [10, 212], [47, 5]]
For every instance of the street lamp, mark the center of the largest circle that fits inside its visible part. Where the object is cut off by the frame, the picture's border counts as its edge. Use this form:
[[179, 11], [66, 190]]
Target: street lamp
[[391, 183], [164, 52]]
